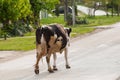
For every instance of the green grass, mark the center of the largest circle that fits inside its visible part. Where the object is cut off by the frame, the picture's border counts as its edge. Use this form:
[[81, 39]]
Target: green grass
[[54, 19], [28, 42], [18, 43], [77, 30], [103, 20], [30, 33], [95, 21]]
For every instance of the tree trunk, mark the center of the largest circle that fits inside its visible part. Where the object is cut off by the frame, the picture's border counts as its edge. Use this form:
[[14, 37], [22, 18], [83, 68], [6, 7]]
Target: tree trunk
[[5, 37], [94, 12], [36, 19], [65, 10], [73, 12], [106, 9], [5, 25], [112, 9], [118, 11]]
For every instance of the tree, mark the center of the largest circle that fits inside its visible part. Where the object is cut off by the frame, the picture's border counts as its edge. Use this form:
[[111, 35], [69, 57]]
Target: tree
[[13, 10], [105, 5], [38, 5], [114, 6], [73, 12], [117, 6]]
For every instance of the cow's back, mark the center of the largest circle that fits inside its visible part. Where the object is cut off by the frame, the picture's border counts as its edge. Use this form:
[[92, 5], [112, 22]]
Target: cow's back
[[54, 38]]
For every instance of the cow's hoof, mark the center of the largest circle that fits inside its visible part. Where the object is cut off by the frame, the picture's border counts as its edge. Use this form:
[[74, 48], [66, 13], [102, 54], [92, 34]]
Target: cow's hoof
[[54, 68], [67, 67], [51, 71], [36, 71]]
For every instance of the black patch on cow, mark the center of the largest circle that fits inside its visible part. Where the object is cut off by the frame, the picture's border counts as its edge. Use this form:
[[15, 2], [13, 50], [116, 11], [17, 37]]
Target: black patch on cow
[[59, 33], [47, 34], [38, 35], [68, 31], [49, 31]]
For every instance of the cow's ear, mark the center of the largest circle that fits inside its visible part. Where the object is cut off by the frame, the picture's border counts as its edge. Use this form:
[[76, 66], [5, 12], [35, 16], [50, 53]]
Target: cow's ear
[[70, 30]]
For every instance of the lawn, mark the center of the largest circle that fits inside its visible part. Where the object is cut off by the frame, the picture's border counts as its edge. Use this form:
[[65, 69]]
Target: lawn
[[28, 41], [54, 19], [18, 43], [103, 20]]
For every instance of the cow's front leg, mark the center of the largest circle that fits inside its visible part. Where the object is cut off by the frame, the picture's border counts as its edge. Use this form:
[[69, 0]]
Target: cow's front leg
[[66, 58], [48, 63], [38, 56], [54, 63]]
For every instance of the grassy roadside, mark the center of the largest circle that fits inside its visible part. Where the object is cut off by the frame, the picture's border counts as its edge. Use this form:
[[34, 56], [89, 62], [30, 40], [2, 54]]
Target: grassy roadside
[[18, 43], [28, 42]]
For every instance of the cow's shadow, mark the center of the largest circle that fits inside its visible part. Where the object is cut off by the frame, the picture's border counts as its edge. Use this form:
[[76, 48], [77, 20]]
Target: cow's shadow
[[43, 75]]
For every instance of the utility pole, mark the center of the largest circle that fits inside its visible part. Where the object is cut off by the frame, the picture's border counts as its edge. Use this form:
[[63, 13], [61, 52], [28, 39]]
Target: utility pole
[[73, 11]]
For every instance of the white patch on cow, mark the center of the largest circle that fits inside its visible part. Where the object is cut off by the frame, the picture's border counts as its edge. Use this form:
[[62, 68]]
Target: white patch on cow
[[38, 48], [60, 38], [68, 40], [42, 39], [41, 48], [55, 35]]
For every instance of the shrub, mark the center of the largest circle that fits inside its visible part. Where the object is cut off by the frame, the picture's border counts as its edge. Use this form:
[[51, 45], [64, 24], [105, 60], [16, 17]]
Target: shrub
[[69, 19]]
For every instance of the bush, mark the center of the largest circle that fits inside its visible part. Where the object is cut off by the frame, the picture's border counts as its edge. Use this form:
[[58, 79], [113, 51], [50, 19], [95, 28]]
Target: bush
[[69, 19], [16, 29], [82, 21], [21, 29]]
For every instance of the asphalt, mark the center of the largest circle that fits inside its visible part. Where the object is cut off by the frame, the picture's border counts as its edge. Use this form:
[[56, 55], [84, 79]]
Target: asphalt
[[88, 10], [94, 57]]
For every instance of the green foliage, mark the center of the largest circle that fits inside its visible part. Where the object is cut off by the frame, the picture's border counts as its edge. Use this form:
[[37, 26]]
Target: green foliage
[[106, 5], [81, 20], [38, 5], [14, 9], [69, 19], [11, 11]]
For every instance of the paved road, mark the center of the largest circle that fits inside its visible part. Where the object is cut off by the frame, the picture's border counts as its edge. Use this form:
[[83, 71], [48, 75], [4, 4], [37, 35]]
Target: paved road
[[96, 57], [86, 10]]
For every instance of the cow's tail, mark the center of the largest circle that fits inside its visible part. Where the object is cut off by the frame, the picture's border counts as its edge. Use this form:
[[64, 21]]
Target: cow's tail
[[38, 35]]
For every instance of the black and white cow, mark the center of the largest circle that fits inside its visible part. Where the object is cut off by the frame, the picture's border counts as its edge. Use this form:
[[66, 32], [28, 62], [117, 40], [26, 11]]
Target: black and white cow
[[49, 40]]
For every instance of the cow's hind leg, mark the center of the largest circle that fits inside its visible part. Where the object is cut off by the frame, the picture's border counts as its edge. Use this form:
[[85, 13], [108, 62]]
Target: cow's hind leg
[[66, 58], [54, 59], [38, 56], [48, 63]]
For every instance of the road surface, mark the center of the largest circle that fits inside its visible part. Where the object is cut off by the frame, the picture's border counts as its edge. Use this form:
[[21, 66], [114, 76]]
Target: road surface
[[96, 57], [87, 10]]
